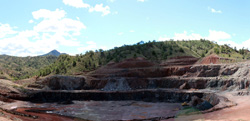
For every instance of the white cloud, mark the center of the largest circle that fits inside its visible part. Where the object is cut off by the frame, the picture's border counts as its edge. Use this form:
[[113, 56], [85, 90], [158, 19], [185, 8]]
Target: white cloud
[[97, 8], [52, 31], [62, 25], [47, 14], [27, 34], [245, 44], [218, 35], [100, 8], [232, 43], [214, 11], [20, 44], [76, 3], [31, 21], [5, 29], [182, 36], [141, 0], [54, 21]]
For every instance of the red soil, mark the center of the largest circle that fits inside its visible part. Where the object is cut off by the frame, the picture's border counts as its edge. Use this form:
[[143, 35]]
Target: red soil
[[180, 61], [131, 63], [211, 59], [144, 68], [42, 116]]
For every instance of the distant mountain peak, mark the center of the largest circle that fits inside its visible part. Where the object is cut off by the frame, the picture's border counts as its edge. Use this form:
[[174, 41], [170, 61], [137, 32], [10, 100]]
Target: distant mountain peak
[[54, 53]]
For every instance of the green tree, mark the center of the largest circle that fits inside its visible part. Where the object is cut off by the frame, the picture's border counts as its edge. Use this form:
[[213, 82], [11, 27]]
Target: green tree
[[202, 55], [74, 64], [57, 71], [181, 50], [135, 55], [216, 50]]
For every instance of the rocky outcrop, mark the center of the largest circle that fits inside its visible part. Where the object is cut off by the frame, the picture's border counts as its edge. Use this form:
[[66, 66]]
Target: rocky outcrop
[[116, 85], [10, 91], [62, 83], [208, 71], [229, 70]]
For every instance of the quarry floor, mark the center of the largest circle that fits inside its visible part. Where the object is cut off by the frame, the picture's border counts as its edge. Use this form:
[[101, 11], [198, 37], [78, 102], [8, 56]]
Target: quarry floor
[[97, 110], [123, 110]]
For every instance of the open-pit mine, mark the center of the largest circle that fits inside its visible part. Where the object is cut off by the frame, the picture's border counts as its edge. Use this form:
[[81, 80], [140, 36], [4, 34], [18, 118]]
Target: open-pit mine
[[182, 88]]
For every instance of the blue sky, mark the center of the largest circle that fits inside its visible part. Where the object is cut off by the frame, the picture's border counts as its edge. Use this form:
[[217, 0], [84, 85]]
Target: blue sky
[[34, 27]]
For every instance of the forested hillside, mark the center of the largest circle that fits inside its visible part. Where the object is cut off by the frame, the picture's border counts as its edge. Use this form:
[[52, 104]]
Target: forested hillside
[[155, 51], [14, 68]]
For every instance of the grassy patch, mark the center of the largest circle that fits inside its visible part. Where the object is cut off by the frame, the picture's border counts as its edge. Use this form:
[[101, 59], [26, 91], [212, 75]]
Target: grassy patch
[[188, 110]]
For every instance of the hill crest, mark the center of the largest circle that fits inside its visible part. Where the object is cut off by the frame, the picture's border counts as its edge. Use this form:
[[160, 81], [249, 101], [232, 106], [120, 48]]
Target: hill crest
[[53, 53]]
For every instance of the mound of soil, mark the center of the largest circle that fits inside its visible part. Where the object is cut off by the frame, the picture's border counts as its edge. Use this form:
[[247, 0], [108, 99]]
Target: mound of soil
[[211, 59]]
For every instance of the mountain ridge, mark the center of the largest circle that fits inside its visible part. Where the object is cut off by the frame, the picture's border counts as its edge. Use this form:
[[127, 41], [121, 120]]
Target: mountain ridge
[[54, 53]]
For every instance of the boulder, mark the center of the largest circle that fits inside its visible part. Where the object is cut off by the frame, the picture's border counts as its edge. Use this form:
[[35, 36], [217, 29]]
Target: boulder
[[205, 105], [195, 101]]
